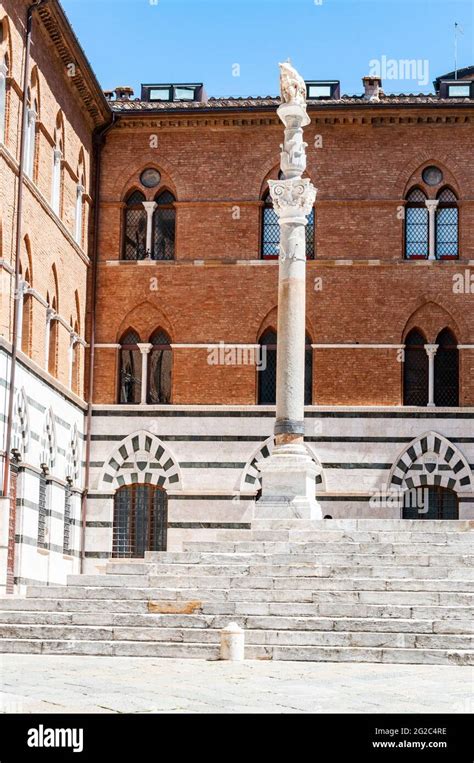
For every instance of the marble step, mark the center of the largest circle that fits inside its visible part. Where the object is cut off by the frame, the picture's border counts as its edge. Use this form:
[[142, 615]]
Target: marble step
[[253, 652], [230, 553], [275, 622], [219, 564], [351, 596], [404, 525], [260, 636], [338, 609], [317, 537]]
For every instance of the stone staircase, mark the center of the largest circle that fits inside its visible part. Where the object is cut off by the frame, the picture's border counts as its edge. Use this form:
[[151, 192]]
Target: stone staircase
[[368, 590]]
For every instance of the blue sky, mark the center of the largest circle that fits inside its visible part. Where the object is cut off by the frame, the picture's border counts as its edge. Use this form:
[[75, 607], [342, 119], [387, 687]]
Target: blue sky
[[133, 41]]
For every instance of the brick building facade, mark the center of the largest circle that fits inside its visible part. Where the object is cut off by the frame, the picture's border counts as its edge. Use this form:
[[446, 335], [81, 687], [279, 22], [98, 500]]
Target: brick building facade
[[169, 382]]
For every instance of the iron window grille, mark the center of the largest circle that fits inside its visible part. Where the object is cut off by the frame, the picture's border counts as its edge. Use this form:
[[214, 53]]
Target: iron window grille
[[135, 222], [164, 225], [442, 503], [140, 520], [416, 225], [415, 370], [159, 369], [67, 519], [130, 379], [447, 225], [42, 511], [446, 370]]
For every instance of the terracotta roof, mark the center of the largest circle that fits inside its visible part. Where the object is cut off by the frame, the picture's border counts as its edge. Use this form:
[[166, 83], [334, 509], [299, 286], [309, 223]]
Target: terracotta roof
[[263, 102]]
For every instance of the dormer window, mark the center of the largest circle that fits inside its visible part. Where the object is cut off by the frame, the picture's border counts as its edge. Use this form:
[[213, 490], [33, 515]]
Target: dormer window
[[323, 89], [173, 92], [459, 91]]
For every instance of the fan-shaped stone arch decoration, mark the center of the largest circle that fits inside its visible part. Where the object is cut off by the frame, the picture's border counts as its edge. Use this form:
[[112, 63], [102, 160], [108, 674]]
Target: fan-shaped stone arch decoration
[[48, 441], [141, 457], [73, 457], [251, 481], [431, 459], [21, 424]]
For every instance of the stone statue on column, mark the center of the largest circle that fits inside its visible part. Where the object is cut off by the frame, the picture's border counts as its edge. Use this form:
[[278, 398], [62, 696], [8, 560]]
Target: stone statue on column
[[288, 475]]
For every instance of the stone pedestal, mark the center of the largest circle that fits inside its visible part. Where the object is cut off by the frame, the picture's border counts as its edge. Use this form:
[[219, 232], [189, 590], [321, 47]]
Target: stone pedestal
[[288, 485]]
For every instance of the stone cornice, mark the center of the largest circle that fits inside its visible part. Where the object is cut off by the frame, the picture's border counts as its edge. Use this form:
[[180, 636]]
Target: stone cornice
[[67, 46], [397, 116]]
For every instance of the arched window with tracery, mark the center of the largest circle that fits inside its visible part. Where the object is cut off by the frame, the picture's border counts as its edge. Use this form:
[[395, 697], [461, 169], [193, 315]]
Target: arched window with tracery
[[164, 224], [135, 221], [446, 370], [415, 370], [159, 368], [130, 368], [416, 225], [447, 225]]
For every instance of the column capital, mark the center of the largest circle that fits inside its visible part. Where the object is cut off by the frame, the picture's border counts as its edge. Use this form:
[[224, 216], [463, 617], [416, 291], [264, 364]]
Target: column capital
[[149, 206], [50, 314], [292, 199], [144, 347], [431, 204], [431, 349]]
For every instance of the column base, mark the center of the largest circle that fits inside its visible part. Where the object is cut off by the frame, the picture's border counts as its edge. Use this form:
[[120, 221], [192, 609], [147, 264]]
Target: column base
[[288, 485]]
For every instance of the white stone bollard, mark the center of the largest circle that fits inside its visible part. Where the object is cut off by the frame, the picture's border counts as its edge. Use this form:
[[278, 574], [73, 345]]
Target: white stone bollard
[[232, 643]]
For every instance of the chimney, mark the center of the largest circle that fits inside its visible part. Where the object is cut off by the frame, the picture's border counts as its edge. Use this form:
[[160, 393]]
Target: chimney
[[109, 94], [123, 93], [372, 88]]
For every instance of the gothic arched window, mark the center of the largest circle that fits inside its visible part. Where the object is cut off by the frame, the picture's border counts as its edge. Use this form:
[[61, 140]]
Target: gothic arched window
[[164, 223], [130, 380], [135, 221], [416, 225], [159, 368], [447, 224], [446, 370], [415, 370]]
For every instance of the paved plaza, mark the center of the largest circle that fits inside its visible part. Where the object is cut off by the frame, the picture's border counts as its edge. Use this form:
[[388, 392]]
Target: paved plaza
[[79, 684]]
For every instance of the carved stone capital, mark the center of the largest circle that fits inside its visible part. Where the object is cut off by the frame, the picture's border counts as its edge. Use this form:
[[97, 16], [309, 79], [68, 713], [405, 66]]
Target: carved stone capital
[[292, 199]]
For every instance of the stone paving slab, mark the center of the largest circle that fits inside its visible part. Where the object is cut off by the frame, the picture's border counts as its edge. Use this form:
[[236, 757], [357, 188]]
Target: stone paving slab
[[71, 684]]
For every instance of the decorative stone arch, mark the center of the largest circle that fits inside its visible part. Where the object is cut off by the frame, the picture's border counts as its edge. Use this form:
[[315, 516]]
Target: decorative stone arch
[[250, 480], [411, 173], [147, 317], [21, 424], [431, 459], [73, 457], [169, 179], [141, 457], [48, 441], [431, 317]]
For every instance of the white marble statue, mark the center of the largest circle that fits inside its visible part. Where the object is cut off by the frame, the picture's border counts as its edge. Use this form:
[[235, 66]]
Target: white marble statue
[[292, 85]]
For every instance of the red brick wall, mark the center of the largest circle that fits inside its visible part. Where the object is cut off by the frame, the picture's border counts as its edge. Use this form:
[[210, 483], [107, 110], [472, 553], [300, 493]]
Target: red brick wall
[[362, 173]]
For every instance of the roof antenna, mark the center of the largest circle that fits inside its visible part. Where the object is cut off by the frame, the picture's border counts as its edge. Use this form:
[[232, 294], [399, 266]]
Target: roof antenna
[[457, 30]]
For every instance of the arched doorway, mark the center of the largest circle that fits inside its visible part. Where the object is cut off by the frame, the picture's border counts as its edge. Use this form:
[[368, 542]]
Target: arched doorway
[[140, 520], [430, 502]]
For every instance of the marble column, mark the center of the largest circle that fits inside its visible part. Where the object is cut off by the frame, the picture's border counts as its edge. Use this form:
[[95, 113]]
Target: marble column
[[431, 352], [144, 348], [150, 207], [431, 205], [288, 475]]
